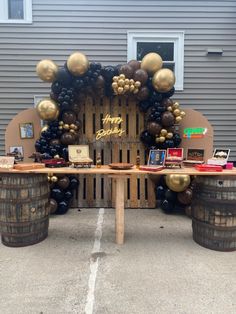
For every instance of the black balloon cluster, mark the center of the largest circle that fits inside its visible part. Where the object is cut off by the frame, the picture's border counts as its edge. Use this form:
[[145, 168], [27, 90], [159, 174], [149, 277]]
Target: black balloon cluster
[[173, 202], [62, 190]]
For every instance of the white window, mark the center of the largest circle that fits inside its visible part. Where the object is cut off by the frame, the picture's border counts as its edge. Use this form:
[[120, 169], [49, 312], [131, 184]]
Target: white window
[[169, 45], [16, 11]]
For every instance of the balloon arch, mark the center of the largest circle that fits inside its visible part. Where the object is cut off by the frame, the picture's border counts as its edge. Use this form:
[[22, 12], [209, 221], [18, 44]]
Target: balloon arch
[[147, 82]]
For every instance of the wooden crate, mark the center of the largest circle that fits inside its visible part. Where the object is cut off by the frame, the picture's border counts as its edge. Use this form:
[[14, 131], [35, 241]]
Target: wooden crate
[[97, 190]]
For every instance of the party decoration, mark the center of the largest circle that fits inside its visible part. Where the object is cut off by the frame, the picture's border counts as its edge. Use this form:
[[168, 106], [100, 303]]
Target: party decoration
[[47, 70], [111, 131], [163, 80], [185, 197], [47, 109], [77, 63], [63, 182], [151, 62], [53, 205], [177, 182]]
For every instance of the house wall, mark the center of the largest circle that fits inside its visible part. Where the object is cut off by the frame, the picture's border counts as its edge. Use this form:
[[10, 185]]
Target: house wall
[[99, 29]]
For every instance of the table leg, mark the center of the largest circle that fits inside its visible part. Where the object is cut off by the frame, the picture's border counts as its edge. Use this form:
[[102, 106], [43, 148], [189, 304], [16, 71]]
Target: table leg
[[120, 199]]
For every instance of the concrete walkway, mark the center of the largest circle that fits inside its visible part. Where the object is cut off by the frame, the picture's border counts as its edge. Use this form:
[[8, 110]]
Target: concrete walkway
[[79, 268]]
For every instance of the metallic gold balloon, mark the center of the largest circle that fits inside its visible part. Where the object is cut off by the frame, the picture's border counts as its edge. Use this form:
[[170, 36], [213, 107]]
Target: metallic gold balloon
[[54, 179], [131, 82], [169, 108], [114, 85], [182, 114], [176, 112], [47, 109], [162, 139], [120, 90], [126, 87], [66, 126], [115, 78], [47, 70], [163, 80], [164, 132], [157, 139], [178, 119], [44, 128], [122, 76], [137, 84], [121, 82], [176, 105], [151, 62], [77, 63], [169, 135], [177, 182]]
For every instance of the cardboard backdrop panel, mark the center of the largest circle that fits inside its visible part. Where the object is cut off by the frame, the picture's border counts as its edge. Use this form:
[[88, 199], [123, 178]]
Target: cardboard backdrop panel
[[12, 135], [195, 119]]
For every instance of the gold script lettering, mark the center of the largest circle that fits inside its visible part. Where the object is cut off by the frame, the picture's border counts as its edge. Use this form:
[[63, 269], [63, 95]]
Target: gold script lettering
[[115, 131]]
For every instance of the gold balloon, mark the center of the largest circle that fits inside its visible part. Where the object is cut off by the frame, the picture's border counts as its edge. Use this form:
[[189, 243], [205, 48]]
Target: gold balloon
[[66, 126], [151, 62], [44, 128], [120, 90], [77, 63], [182, 114], [115, 78], [169, 135], [163, 80], [47, 70], [47, 109], [169, 108], [176, 105], [177, 182], [121, 82], [162, 139], [178, 119], [54, 179], [126, 81], [164, 132], [122, 76], [114, 85], [176, 112], [131, 82], [157, 139], [131, 88], [137, 84]]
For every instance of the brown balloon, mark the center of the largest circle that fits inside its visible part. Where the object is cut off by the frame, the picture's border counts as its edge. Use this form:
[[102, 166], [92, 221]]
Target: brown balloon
[[143, 93], [68, 138], [53, 205], [63, 182], [68, 117], [167, 119], [185, 197], [141, 76], [76, 108], [154, 128], [167, 102], [163, 80], [127, 70], [135, 65], [47, 70], [100, 82]]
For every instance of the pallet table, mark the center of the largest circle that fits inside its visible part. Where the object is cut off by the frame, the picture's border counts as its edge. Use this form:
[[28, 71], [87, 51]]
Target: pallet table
[[119, 177]]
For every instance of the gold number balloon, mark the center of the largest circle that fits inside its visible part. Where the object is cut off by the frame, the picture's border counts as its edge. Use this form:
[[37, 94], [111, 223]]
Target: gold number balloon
[[77, 63], [47, 70], [47, 109], [151, 62], [163, 80], [177, 182]]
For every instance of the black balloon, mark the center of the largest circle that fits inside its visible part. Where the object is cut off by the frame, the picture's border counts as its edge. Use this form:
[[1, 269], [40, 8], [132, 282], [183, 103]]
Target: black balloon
[[167, 206], [62, 208], [160, 192], [147, 138], [53, 205], [74, 183], [68, 195], [63, 182], [64, 77], [170, 196], [57, 194]]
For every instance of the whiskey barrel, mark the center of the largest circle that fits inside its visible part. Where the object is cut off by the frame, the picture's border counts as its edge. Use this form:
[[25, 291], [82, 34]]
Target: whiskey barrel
[[24, 208], [214, 212]]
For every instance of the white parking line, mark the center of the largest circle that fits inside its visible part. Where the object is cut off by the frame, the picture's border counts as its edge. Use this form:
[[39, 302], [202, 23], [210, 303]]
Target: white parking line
[[94, 262]]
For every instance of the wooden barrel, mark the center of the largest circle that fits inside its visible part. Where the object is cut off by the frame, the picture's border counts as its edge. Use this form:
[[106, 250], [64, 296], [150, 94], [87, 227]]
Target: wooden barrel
[[214, 212], [24, 208]]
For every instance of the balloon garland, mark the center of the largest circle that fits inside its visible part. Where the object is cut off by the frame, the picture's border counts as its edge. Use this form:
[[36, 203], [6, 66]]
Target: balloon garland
[[151, 86]]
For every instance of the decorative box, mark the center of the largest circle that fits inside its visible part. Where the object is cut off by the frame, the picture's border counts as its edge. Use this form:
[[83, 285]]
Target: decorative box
[[79, 156], [194, 157], [29, 166], [174, 157], [55, 162], [220, 157]]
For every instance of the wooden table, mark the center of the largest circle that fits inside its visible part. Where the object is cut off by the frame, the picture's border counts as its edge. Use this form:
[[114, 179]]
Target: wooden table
[[119, 177]]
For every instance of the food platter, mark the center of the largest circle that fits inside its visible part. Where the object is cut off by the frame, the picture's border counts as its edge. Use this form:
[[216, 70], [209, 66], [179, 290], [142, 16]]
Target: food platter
[[121, 166]]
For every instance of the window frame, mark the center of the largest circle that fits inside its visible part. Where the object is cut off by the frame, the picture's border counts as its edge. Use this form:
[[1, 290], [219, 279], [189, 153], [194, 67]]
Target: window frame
[[27, 4], [177, 37]]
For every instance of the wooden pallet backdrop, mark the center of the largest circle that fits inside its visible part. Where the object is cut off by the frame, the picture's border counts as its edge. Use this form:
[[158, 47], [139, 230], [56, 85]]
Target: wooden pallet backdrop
[[97, 190]]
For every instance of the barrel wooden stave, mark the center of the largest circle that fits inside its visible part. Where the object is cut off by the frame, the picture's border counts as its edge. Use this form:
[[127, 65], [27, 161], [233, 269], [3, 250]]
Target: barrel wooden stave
[[24, 209], [214, 212]]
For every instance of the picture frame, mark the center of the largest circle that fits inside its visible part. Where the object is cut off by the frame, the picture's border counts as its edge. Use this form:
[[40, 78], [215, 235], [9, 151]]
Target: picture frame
[[78, 153], [221, 153], [26, 130], [17, 152], [6, 162], [156, 157]]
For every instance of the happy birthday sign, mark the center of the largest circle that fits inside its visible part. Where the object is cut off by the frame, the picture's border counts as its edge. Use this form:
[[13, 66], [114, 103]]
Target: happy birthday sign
[[112, 131]]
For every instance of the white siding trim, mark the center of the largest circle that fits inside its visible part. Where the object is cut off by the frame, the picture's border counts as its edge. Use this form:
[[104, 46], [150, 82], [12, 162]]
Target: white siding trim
[[176, 37]]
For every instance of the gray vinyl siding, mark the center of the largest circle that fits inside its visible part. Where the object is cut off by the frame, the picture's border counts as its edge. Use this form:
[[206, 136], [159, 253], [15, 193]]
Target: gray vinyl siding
[[99, 29]]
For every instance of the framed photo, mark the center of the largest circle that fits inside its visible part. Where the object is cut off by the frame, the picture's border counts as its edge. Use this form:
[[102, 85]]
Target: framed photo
[[78, 153], [221, 153], [6, 162], [17, 152], [26, 130], [156, 158]]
